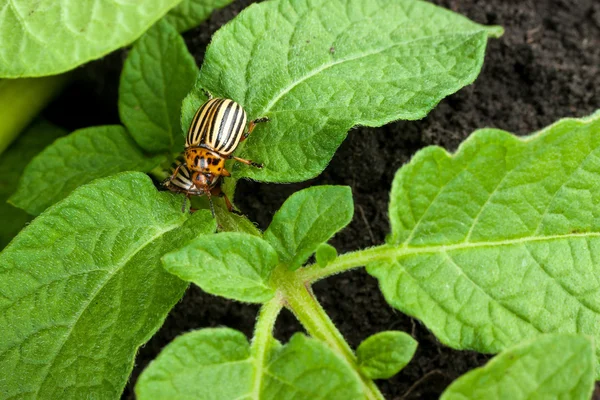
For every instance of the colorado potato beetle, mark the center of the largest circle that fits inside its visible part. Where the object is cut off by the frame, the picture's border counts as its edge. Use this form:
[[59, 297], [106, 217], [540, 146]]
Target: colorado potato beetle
[[218, 127]]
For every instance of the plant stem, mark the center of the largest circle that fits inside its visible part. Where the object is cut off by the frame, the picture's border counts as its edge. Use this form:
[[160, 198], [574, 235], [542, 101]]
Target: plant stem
[[263, 334], [21, 100], [346, 262], [301, 301]]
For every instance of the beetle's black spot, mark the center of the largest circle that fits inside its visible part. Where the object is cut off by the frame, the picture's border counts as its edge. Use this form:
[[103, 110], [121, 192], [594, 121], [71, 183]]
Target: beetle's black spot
[[215, 161], [196, 160]]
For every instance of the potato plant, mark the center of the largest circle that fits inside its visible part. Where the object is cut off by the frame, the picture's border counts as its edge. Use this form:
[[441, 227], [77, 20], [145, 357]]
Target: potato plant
[[494, 248]]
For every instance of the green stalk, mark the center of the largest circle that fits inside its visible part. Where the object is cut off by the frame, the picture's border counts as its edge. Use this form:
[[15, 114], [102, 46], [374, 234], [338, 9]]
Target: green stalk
[[21, 100], [346, 262], [262, 339], [301, 301]]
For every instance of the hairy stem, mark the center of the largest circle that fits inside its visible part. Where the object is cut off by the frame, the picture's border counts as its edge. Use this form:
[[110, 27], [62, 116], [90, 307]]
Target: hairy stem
[[301, 301], [346, 262], [261, 341], [21, 100]]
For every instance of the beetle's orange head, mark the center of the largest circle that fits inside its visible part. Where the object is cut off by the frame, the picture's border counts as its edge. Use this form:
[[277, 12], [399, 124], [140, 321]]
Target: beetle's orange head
[[204, 181]]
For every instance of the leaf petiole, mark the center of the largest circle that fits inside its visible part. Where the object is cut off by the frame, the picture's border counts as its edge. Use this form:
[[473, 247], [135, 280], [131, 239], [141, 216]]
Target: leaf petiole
[[300, 300], [262, 339], [345, 262]]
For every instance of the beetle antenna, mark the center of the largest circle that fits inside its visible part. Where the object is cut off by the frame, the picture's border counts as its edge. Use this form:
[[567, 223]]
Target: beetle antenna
[[210, 202], [184, 203]]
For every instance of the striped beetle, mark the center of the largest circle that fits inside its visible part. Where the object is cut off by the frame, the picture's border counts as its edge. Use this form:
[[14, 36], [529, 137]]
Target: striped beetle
[[215, 132]]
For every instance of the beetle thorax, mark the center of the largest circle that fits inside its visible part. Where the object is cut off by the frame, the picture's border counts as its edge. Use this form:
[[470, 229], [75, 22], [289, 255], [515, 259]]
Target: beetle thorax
[[203, 160]]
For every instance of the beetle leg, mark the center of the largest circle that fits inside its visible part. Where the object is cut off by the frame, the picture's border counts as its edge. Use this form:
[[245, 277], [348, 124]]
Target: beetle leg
[[252, 125], [247, 162], [230, 206], [174, 174], [224, 172]]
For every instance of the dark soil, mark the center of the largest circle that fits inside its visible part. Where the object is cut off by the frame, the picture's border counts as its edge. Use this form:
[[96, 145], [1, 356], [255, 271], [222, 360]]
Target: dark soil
[[545, 67]]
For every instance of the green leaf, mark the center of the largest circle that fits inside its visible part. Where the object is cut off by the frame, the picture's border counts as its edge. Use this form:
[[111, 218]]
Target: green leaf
[[384, 354], [191, 103], [550, 367], [81, 288], [325, 254], [76, 159], [230, 222], [345, 63], [307, 368], [157, 75], [191, 13], [501, 241], [12, 164], [206, 364], [307, 219], [216, 364], [45, 37], [233, 265]]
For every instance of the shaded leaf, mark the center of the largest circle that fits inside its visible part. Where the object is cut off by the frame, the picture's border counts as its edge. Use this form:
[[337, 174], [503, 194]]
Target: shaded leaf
[[156, 77], [12, 163], [81, 288], [80, 31], [76, 159], [233, 265], [550, 367], [384, 354], [346, 63], [307, 219], [191, 13], [499, 242]]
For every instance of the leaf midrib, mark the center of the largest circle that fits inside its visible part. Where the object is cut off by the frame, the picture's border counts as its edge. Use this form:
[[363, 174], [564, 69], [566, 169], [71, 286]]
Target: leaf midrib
[[97, 290], [394, 251], [354, 57]]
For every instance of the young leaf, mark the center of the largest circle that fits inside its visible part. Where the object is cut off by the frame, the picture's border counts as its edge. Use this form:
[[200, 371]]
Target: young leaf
[[499, 242], [78, 32], [12, 164], [216, 363], [233, 265], [325, 254], [307, 219], [158, 74], [191, 13], [76, 159], [349, 62], [384, 354], [81, 288], [550, 367]]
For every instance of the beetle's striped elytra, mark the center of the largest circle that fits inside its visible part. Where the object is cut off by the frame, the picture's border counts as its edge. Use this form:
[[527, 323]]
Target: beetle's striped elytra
[[218, 124], [216, 130]]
